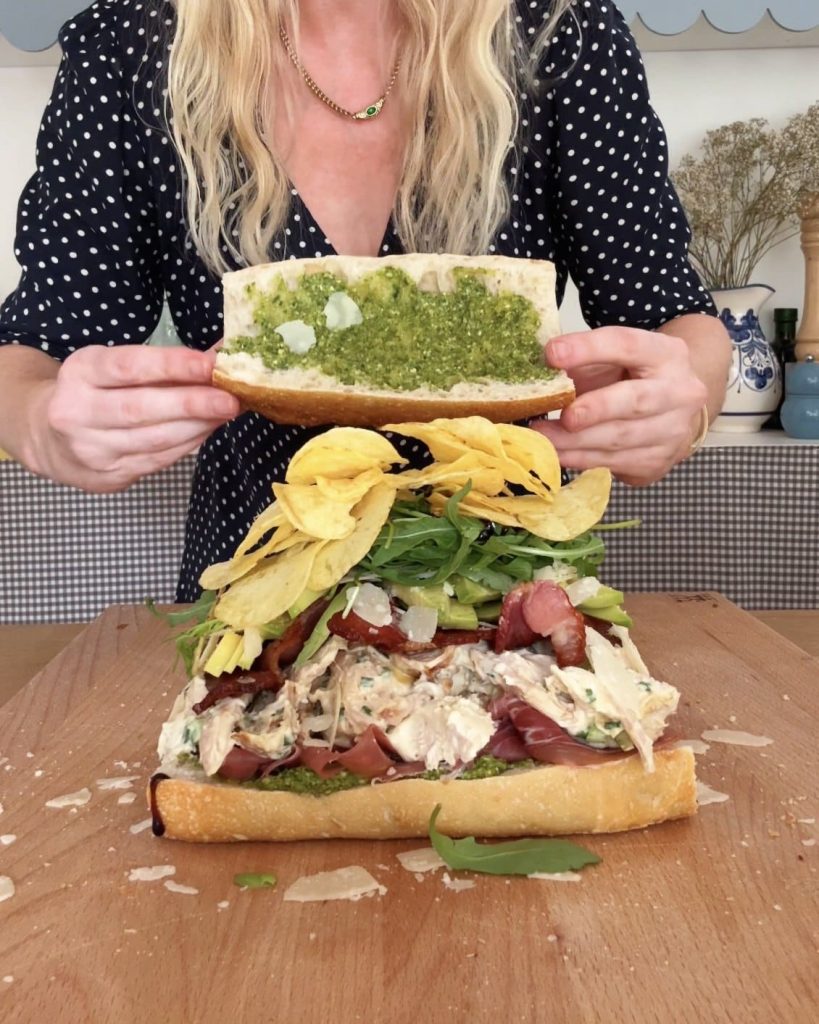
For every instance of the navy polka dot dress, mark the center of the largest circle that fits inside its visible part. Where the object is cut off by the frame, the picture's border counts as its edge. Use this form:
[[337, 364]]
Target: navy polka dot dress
[[101, 234]]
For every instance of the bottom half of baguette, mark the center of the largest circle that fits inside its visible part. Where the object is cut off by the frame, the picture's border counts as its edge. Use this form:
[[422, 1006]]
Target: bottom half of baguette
[[311, 398], [542, 801]]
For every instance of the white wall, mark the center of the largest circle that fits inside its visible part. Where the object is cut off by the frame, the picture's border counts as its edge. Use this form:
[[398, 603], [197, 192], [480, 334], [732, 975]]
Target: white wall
[[692, 91]]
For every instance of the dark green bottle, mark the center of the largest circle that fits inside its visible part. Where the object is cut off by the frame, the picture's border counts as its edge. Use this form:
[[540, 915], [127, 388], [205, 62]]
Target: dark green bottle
[[784, 346]]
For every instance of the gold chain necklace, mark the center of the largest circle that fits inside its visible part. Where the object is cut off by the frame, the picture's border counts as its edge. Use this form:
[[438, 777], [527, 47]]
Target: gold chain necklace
[[373, 110]]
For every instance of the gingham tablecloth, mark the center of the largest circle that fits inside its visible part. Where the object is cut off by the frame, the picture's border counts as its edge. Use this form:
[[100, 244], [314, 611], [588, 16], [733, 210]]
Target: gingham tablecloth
[[742, 521]]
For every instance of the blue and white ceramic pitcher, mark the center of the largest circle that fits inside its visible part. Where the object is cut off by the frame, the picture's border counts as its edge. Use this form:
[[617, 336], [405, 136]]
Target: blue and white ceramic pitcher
[[755, 379]]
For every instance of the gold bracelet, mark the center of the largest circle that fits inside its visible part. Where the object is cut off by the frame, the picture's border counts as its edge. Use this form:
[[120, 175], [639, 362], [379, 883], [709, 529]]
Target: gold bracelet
[[702, 432]]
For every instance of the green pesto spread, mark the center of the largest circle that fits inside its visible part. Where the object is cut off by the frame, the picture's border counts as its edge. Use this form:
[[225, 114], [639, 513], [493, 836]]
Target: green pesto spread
[[466, 335], [304, 780]]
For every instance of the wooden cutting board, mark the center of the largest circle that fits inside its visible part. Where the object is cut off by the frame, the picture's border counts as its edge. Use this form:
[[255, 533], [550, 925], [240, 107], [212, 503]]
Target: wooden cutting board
[[713, 919]]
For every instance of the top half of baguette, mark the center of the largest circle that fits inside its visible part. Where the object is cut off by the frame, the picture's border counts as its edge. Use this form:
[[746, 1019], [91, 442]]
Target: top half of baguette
[[309, 397]]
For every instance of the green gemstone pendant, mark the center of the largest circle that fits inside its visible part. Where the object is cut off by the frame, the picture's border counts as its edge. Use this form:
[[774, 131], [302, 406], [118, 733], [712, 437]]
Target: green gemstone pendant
[[371, 111]]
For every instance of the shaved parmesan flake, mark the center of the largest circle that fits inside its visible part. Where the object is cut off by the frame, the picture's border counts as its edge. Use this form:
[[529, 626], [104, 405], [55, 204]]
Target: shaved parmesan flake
[[1, 808], [737, 739], [344, 884], [140, 826], [806, 821], [419, 624], [372, 604], [151, 874], [78, 799], [809, 842], [6, 888], [341, 311], [696, 745], [557, 876], [184, 890], [298, 336], [458, 885], [421, 860], [706, 795], [127, 798], [125, 782], [7, 840]]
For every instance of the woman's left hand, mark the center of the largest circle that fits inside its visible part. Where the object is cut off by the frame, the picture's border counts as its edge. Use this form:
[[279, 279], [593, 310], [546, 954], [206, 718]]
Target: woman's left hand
[[638, 402]]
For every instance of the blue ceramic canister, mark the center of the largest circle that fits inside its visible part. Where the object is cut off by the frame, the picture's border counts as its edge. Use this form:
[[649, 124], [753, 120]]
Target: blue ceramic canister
[[800, 410]]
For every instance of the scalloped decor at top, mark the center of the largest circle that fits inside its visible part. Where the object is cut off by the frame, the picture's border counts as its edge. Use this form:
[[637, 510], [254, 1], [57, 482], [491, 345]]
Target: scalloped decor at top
[[670, 17], [34, 24]]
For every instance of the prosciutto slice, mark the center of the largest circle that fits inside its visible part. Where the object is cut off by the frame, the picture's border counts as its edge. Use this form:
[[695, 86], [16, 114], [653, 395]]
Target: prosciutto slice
[[366, 758], [241, 765], [542, 609], [547, 743], [354, 629]]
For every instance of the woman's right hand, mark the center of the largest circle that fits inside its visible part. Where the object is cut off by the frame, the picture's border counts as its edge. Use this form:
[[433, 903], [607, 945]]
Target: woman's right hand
[[113, 415]]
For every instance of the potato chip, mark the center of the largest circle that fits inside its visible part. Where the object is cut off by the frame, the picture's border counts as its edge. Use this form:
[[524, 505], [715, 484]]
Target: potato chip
[[270, 589], [532, 451], [223, 573], [477, 432], [452, 476], [341, 454], [267, 520], [339, 556], [477, 505], [349, 492], [576, 508], [312, 513], [443, 447]]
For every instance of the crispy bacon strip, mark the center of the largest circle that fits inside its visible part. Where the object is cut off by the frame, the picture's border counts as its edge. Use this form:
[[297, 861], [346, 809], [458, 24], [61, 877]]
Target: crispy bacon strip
[[354, 629], [267, 672]]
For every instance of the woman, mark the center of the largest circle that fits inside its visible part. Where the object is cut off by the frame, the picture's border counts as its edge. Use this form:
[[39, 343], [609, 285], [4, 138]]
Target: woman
[[186, 138]]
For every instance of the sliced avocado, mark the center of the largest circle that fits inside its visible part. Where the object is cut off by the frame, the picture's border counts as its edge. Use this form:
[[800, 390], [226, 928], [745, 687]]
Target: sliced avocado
[[426, 597], [228, 648], [469, 592], [614, 614], [604, 598], [458, 616], [451, 614], [490, 612], [321, 632], [307, 598]]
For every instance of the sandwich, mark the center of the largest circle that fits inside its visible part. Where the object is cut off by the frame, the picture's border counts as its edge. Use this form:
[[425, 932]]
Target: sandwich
[[367, 341], [386, 640]]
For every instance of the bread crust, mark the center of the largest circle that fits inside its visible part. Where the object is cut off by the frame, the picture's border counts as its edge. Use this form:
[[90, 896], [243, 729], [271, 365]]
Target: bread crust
[[311, 399], [311, 408], [547, 800]]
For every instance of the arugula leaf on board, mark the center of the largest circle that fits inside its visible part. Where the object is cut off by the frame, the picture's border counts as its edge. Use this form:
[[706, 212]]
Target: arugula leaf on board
[[255, 881], [518, 857]]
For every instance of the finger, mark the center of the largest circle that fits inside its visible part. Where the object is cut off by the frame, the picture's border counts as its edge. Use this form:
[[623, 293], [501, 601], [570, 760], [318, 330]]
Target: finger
[[630, 399], [133, 468], [643, 353], [128, 366], [145, 406], [618, 435], [156, 439], [636, 467]]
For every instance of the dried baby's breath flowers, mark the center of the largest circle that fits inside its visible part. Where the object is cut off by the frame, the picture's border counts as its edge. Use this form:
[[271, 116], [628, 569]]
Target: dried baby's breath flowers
[[746, 191]]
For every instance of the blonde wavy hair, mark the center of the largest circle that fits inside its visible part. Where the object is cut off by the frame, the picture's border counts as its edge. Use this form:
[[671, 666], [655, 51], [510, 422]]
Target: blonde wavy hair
[[464, 63]]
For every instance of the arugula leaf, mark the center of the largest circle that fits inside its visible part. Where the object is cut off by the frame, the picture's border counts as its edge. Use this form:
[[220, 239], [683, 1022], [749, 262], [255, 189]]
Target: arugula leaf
[[519, 857], [321, 631], [197, 612], [251, 881]]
